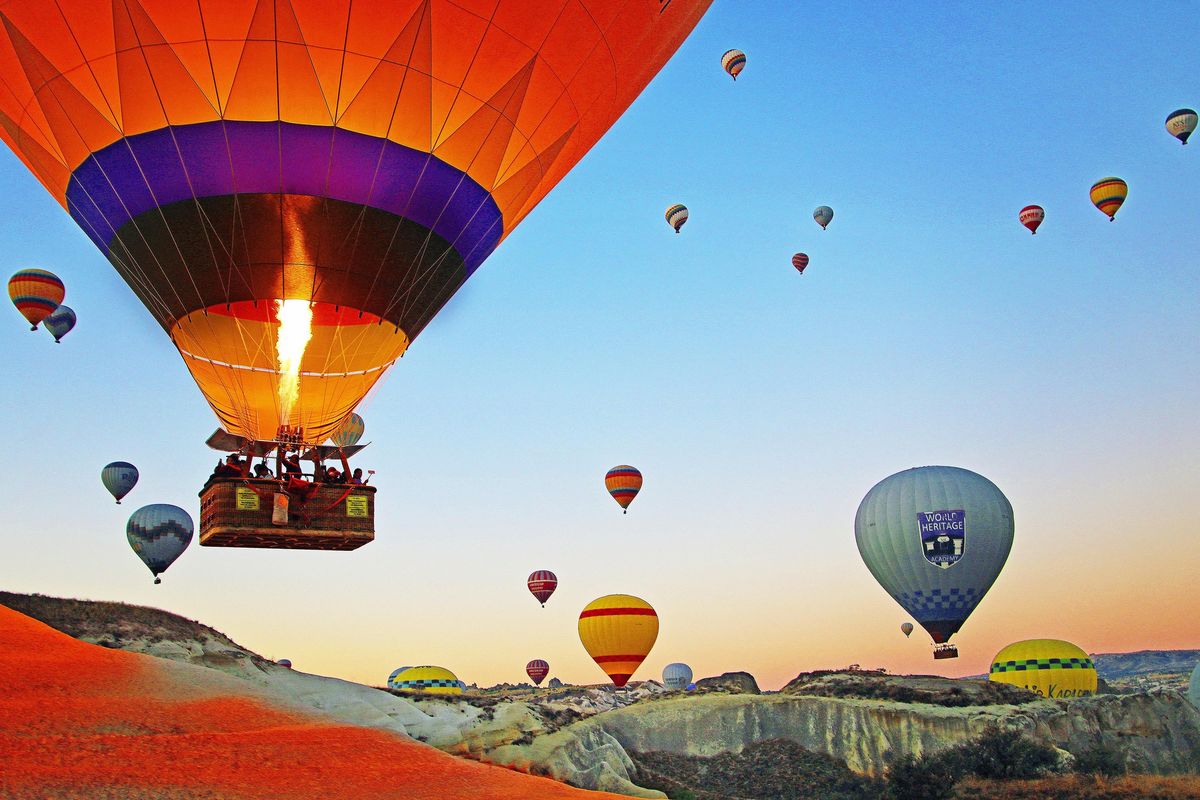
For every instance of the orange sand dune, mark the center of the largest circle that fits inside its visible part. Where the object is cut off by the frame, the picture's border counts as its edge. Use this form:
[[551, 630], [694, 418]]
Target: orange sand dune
[[80, 721]]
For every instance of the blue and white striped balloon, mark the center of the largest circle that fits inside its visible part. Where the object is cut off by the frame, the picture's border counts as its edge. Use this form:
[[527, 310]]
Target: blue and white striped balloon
[[159, 534], [119, 478], [677, 676], [60, 322]]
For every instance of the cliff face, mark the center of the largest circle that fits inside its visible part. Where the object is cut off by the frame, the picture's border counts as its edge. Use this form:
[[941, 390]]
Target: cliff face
[[1160, 732]]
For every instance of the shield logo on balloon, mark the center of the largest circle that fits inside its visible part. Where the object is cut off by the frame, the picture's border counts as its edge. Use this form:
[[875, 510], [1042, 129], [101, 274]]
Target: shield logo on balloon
[[943, 536]]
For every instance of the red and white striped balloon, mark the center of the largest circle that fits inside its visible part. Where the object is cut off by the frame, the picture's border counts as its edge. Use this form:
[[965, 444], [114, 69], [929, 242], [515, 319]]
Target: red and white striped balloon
[[542, 584], [537, 670], [1031, 217]]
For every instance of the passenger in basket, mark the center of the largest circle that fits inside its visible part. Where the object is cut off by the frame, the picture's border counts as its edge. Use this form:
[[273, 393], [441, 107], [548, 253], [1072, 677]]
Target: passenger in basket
[[262, 471]]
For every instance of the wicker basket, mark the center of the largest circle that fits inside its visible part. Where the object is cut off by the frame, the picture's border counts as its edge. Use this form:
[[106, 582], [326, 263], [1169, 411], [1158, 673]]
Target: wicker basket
[[238, 513]]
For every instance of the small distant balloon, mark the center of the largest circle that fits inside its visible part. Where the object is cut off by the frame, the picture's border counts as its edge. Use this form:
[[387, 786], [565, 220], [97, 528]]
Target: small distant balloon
[[119, 478], [1108, 194], [60, 323], [159, 534], [537, 670], [677, 676], [623, 483], [349, 432], [36, 293], [1181, 123], [542, 584], [677, 215], [285, 662], [800, 261], [823, 215], [733, 62], [906, 629], [1031, 217]]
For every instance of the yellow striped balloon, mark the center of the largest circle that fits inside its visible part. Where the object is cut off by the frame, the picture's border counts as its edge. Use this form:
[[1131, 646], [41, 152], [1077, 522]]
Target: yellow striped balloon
[[618, 631], [428, 679], [36, 293], [1046, 667], [623, 483], [1108, 194]]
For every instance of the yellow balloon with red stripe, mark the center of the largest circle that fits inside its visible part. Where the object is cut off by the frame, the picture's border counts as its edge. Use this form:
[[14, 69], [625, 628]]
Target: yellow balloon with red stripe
[[618, 631], [1108, 194]]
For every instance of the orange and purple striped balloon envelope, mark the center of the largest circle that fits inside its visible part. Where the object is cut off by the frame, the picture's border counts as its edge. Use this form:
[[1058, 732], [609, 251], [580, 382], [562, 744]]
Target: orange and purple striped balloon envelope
[[358, 159], [618, 632], [623, 483]]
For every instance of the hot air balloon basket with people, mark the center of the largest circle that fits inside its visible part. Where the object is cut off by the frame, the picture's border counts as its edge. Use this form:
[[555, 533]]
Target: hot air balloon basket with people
[[252, 505]]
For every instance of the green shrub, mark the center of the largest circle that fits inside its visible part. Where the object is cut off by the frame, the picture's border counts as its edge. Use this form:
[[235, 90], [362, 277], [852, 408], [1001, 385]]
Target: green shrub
[[1101, 759]]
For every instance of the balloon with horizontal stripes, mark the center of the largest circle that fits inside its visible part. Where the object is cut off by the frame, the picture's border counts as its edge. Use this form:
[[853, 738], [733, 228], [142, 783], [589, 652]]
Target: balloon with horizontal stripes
[[1046, 667], [537, 670], [1181, 124], [1032, 217], [623, 483], [35, 293], [295, 188], [618, 632], [800, 262], [119, 478], [349, 432], [733, 62], [906, 628], [159, 534], [541, 584], [676, 215], [1108, 195], [60, 322]]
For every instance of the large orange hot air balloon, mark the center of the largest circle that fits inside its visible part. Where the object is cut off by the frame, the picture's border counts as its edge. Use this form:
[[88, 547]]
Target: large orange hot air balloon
[[294, 188], [618, 631]]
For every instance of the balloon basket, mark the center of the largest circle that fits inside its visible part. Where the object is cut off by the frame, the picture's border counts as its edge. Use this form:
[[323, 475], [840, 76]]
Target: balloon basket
[[945, 651], [239, 513]]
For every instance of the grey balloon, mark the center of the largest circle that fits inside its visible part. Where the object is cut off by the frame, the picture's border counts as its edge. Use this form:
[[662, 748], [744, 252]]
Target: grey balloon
[[159, 534], [677, 676], [935, 538]]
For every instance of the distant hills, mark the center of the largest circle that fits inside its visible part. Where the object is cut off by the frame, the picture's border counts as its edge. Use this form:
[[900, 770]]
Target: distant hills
[[1145, 662]]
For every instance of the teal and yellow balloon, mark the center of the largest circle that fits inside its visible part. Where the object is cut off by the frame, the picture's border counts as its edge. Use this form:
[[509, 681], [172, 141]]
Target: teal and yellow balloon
[[935, 538], [350, 431], [159, 534]]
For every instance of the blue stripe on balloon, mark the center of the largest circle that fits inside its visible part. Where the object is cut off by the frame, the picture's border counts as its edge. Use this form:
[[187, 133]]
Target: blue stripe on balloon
[[214, 159]]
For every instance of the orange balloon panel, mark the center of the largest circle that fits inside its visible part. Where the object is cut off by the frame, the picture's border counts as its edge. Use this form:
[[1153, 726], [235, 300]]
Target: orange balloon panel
[[618, 631], [365, 156]]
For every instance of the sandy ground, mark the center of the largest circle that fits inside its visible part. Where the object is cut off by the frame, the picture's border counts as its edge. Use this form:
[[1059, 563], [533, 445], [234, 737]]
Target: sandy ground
[[82, 721]]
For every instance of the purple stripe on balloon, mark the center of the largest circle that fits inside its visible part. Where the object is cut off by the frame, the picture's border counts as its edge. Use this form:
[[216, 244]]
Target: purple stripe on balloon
[[142, 172]]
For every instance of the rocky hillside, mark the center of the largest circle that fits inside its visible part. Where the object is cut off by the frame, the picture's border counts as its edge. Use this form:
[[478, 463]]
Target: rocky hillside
[[643, 739]]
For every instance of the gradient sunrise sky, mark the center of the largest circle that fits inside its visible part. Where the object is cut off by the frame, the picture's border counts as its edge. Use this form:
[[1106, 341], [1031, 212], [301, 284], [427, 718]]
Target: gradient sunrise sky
[[930, 328]]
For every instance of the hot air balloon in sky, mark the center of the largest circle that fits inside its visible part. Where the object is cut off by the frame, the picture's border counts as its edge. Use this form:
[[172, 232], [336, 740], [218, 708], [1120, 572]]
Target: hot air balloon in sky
[[935, 538], [623, 483], [1047, 667], [618, 631], [349, 432], [677, 676], [677, 215], [800, 262], [119, 478], [823, 215], [1031, 217], [35, 292], [733, 62], [1181, 124], [537, 670], [542, 584], [159, 534], [295, 188], [1108, 194], [906, 628], [60, 322]]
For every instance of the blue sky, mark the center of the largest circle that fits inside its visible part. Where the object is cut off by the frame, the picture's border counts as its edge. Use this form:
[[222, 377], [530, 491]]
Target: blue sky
[[930, 327]]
